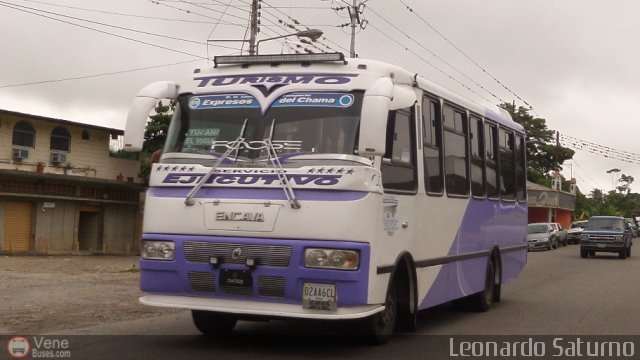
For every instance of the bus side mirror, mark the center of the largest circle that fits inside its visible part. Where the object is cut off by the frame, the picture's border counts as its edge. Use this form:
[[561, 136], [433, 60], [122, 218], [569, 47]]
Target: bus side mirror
[[144, 102], [373, 119]]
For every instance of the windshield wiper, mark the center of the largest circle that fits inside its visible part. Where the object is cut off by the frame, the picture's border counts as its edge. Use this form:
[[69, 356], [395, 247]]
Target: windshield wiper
[[231, 147], [282, 176]]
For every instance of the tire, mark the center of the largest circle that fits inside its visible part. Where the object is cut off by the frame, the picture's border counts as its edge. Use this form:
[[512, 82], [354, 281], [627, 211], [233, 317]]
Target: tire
[[550, 246], [211, 323], [379, 328], [629, 251], [584, 254], [482, 300], [592, 253], [622, 254]]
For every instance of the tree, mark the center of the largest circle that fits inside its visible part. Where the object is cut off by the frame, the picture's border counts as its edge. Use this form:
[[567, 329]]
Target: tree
[[155, 134], [625, 186], [544, 154]]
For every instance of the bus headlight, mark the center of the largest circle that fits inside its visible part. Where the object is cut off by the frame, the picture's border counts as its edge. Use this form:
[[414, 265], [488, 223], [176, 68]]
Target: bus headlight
[[158, 250], [331, 259]]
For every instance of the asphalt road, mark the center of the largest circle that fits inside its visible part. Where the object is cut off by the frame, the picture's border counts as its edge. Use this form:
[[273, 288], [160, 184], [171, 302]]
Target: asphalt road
[[557, 294]]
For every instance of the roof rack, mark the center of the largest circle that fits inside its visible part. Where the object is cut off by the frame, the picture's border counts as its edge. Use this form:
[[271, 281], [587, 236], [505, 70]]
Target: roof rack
[[247, 60]]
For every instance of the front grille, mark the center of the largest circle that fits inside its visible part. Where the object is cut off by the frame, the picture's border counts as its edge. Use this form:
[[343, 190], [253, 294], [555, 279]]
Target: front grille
[[202, 281], [199, 251], [602, 237], [271, 286], [236, 290]]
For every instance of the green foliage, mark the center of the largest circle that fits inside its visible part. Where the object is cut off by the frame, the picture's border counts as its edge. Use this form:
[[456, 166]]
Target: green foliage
[[615, 203], [155, 134], [543, 153], [157, 128]]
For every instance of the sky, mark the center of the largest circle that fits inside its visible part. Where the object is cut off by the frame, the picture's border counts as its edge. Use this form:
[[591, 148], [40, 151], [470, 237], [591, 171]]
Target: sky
[[574, 62]]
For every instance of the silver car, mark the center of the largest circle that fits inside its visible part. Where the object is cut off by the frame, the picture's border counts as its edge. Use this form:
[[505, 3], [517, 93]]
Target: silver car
[[541, 236], [561, 233]]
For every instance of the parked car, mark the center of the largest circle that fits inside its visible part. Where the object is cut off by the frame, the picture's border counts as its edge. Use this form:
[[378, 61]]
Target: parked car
[[541, 236], [561, 233], [606, 234], [575, 231]]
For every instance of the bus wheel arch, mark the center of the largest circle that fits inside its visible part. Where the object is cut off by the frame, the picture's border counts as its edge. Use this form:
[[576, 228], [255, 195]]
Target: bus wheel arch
[[482, 301], [400, 303], [405, 279]]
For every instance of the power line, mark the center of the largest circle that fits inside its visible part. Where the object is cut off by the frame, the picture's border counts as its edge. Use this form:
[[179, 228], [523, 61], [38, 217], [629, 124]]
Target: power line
[[24, 9], [464, 54], [96, 75], [433, 54], [430, 64], [125, 14], [299, 23]]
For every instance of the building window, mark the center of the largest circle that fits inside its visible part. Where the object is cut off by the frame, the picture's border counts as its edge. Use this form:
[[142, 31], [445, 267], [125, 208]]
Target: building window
[[24, 135], [60, 139], [85, 135]]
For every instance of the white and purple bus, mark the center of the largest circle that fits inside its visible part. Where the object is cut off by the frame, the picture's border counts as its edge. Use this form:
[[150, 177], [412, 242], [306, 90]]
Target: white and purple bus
[[317, 187]]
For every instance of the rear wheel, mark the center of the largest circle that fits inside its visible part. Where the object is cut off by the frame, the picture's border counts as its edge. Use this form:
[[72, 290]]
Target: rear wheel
[[212, 323], [482, 301]]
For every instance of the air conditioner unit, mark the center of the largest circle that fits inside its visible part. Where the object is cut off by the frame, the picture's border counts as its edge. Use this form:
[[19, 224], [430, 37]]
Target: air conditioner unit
[[20, 154], [58, 157]]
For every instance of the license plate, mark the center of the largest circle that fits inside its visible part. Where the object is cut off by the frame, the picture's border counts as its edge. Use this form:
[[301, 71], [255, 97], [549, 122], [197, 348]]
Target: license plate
[[319, 297], [236, 278], [601, 245]]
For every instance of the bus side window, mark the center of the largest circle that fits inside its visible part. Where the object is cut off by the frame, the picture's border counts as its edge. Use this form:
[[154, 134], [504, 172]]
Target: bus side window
[[477, 157], [507, 165], [491, 159], [456, 158], [398, 163], [521, 169], [432, 146]]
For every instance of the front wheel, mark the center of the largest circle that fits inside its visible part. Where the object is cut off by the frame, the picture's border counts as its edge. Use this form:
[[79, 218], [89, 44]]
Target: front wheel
[[622, 254], [584, 254], [380, 327], [212, 323]]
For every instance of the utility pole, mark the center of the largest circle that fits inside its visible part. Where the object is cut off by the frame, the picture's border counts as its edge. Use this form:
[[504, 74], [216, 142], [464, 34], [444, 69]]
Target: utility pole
[[354, 13], [255, 22]]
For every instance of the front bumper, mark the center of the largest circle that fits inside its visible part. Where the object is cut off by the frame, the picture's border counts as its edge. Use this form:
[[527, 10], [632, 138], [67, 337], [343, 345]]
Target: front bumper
[[255, 308], [602, 246], [539, 244], [274, 285]]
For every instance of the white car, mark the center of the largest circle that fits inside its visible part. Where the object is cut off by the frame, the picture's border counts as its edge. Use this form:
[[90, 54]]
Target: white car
[[575, 231], [561, 234]]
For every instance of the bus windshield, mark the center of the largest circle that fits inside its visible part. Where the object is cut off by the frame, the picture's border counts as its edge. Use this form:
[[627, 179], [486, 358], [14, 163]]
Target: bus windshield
[[301, 123]]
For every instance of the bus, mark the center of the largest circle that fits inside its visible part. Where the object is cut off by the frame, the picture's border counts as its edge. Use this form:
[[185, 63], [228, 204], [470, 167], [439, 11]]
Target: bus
[[314, 186]]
